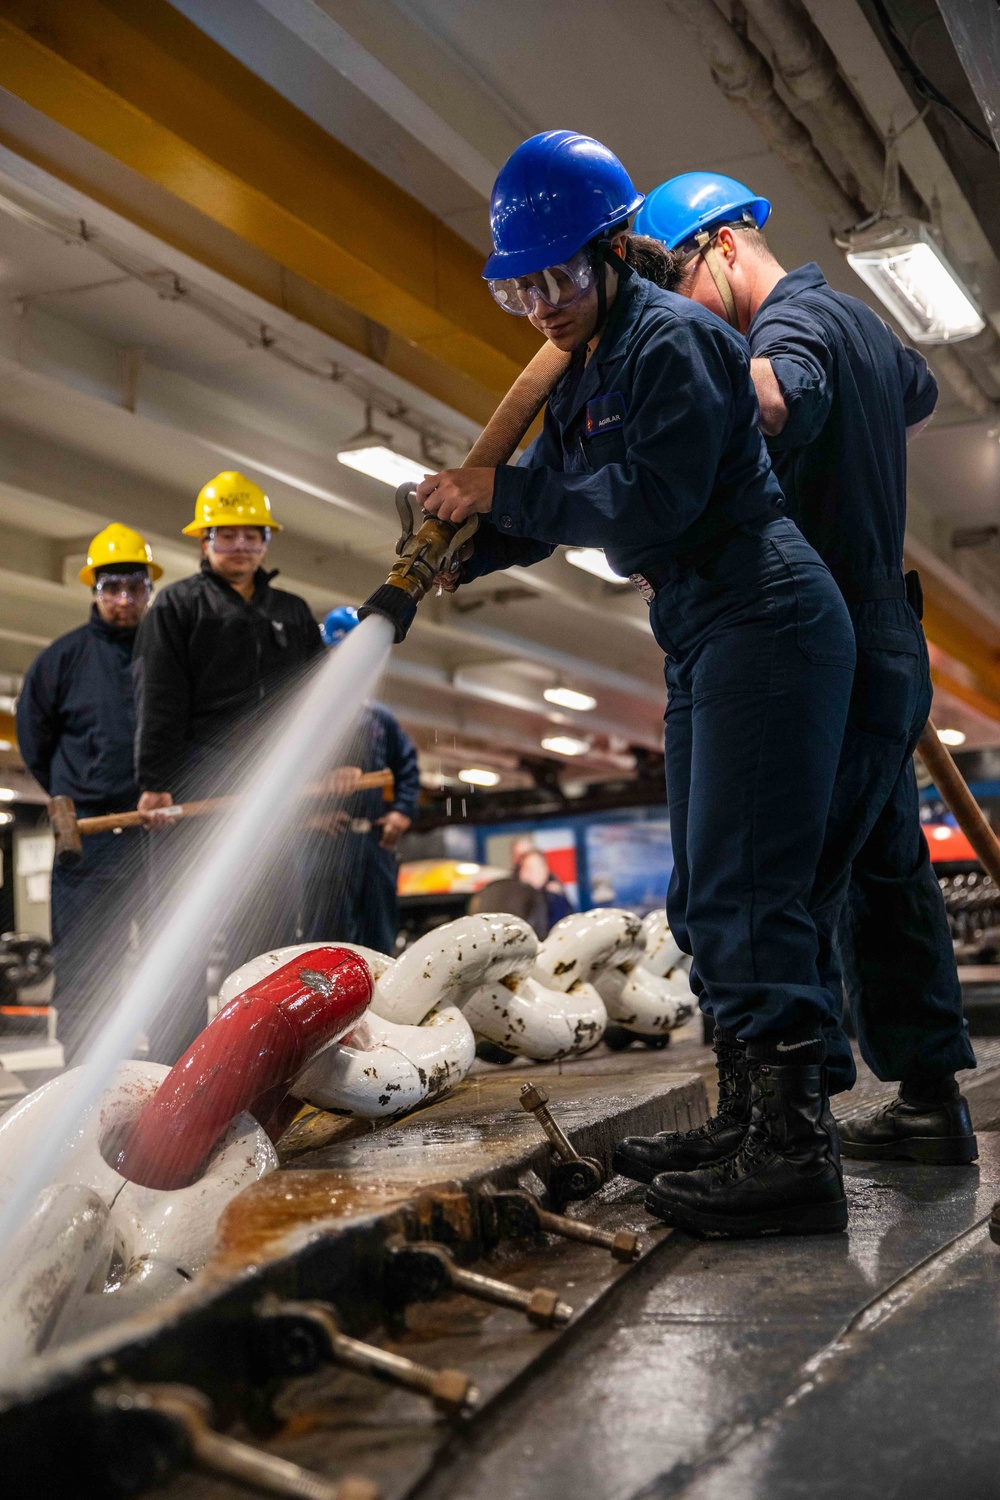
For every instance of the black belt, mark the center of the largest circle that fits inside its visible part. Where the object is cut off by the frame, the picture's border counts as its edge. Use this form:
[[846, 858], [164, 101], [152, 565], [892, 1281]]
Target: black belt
[[877, 589]]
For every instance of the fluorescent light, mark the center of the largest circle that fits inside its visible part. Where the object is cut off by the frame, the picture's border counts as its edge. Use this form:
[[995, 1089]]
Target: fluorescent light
[[912, 278], [7, 794], [466, 869], [5, 818], [476, 776], [592, 560], [379, 462], [951, 736], [564, 744], [565, 697]]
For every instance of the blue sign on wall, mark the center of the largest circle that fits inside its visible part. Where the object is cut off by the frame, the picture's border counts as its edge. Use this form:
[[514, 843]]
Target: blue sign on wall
[[629, 864]]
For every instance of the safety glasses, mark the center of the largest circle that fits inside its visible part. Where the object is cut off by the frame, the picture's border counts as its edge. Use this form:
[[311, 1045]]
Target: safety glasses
[[556, 286], [133, 587], [238, 538]]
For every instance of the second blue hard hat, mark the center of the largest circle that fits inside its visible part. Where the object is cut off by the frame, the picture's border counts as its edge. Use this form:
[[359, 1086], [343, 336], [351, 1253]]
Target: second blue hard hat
[[554, 194], [338, 623], [676, 211]]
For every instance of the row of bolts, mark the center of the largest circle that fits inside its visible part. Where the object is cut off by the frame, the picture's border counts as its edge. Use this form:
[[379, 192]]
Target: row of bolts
[[303, 1336]]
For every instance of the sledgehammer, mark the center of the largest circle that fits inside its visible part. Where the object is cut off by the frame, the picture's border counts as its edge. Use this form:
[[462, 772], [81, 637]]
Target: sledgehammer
[[959, 800], [68, 828]]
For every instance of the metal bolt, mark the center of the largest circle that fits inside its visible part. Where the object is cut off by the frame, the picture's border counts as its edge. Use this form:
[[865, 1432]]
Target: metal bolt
[[518, 1213], [299, 1324], [574, 1176], [536, 1101], [421, 1271], [191, 1411]]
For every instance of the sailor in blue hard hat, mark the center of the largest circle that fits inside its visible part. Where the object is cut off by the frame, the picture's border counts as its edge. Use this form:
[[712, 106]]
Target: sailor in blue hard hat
[[839, 395], [687, 214], [338, 623], [650, 449], [349, 864]]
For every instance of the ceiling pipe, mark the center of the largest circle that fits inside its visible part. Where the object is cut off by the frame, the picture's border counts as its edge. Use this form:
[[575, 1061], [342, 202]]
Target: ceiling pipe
[[808, 67], [745, 77]]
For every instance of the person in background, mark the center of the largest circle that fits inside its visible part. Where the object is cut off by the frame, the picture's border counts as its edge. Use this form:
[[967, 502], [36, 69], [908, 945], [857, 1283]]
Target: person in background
[[217, 647], [533, 869], [839, 398], [75, 731], [349, 869], [213, 658]]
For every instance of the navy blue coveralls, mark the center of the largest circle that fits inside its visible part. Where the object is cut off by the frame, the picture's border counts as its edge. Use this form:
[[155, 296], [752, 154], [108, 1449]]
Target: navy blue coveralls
[[75, 728], [852, 389], [651, 451], [349, 882]]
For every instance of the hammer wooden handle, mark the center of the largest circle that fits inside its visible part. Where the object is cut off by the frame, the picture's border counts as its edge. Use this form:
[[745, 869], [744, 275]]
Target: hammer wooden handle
[[110, 821], [959, 800]]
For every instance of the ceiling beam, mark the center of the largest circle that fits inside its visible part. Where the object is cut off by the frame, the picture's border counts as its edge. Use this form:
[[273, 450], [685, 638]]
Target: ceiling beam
[[149, 89]]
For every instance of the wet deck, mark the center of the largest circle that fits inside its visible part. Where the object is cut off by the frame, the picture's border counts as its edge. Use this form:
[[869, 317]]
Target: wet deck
[[835, 1368]]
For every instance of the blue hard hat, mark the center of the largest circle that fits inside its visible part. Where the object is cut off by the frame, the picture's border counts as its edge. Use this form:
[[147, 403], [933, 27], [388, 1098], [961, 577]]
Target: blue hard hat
[[555, 193], [338, 623], [679, 209]]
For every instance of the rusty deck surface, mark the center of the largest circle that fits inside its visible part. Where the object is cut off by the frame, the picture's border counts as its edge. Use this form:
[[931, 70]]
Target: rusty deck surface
[[318, 1229], [623, 1403]]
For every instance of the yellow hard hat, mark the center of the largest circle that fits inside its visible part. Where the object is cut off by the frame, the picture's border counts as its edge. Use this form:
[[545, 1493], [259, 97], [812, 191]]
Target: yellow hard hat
[[118, 544], [230, 500]]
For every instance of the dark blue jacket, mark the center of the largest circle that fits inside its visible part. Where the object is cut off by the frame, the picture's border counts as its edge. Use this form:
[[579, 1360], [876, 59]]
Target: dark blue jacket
[[851, 389], [648, 450], [383, 744], [76, 719]]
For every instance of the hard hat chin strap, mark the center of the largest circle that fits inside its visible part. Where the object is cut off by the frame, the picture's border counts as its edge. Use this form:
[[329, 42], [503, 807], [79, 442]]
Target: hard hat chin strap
[[601, 257], [713, 261]]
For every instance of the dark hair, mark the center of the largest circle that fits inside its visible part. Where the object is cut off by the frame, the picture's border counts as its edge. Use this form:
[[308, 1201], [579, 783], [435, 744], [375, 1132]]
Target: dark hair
[[653, 261]]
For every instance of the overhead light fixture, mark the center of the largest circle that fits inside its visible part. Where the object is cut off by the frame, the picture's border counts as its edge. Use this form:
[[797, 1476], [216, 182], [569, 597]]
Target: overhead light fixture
[[911, 276], [565, 744], [5, 818], [564, 697], [941, 833], [951, 736], [592, 560], [371, 452], [476, 776], [7, 794]]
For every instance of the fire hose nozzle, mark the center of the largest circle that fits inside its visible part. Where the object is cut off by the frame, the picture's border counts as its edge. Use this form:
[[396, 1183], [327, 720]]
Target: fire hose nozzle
[[426, 547]]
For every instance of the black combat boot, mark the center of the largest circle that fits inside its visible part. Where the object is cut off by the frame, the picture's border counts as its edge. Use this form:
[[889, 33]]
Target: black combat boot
[[643, 1157], [928, 1121], [785, 1177]]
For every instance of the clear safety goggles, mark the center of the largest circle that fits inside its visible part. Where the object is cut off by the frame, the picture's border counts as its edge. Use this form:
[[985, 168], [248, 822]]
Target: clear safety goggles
[[556, 286], [133, 587], [238, 538]]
